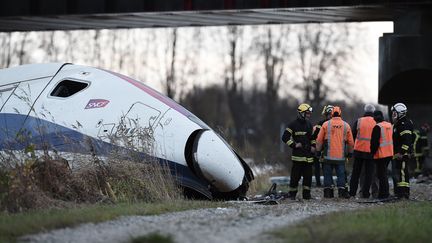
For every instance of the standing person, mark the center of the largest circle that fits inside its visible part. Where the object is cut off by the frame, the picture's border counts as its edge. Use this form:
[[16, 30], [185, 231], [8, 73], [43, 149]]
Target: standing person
[[362, 131], [382, 150], [336, 141], [421, 149], [402, 148], [326, 113], [298, 136]]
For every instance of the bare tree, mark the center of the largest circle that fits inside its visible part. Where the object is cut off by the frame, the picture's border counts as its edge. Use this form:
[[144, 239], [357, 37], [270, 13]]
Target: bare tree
[[234, 83], [273, 49], [170, 84], [323, 50]]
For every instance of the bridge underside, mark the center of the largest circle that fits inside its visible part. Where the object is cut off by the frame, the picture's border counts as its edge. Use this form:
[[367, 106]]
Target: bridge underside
[[31, 15]]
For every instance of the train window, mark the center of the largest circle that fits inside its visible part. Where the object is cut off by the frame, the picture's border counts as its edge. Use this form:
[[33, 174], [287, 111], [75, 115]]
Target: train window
[[68, 88]]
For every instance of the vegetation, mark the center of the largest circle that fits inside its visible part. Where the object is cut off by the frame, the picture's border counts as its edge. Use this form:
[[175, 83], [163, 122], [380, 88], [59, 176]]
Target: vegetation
[[399, 222], [14, 225], [153, 238]]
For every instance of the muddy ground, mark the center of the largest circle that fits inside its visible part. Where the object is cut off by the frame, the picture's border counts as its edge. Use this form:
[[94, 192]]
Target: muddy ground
[[235, 222]]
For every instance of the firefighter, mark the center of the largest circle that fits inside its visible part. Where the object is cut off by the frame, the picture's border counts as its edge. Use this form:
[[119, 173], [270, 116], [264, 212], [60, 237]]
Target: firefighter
[[326, 113], [421, 149], [362, 132], [298, 135], [402, 148], [381, 148], [336, 141]]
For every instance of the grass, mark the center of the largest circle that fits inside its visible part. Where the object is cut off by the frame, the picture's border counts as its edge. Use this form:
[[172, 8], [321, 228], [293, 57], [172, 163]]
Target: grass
[[153, 238], [399, 222], [13, 226]]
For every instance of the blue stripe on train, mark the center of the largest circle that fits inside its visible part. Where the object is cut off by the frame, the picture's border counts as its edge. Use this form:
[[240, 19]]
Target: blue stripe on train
[[17, 133]]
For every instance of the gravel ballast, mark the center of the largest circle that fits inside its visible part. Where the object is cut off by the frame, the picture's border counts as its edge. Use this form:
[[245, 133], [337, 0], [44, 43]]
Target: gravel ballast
[[237, 222]]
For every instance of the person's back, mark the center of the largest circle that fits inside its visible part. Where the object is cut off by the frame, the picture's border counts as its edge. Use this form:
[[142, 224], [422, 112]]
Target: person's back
[[336, 132], [362, 154], [336, 140]]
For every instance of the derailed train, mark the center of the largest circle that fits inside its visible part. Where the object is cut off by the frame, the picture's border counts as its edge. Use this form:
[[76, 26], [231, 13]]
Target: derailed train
[[66, 107]]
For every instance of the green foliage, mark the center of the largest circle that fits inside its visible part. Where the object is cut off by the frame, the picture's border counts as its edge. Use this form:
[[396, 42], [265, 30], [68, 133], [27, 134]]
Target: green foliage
[[153, 238], [14, 225], [399, 222]]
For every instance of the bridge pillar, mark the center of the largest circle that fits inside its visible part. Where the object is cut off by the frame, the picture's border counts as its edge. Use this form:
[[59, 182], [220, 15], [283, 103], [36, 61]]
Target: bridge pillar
[[405, 65], [405, 60]]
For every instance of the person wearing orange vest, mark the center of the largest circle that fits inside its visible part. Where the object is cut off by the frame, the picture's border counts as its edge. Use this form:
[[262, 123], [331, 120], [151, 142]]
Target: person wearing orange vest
[[362, 131], [382, 150], [336, 141], [326, 113]]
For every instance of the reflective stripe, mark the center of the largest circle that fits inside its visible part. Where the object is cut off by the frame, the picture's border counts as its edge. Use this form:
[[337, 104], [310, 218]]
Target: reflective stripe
[[423, 137], [403, 184], [306, 188], [363, 139], [318, 126], [292, 189], [313, 142], [405, 147], [299, 133], [384, 137], [405, 132], [289, 130], [289, 142], [301, 159]]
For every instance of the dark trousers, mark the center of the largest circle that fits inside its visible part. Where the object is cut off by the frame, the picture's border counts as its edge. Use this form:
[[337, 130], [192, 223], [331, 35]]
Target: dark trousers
[[381, 173], [317, 171], [401, 178], [355, 176], [298, 170]]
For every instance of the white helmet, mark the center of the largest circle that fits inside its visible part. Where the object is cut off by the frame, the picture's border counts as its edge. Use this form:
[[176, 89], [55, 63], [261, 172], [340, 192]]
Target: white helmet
[[399, 110]]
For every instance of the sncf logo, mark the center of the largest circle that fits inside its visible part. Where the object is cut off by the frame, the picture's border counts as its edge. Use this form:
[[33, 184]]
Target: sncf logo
[[96, 103]]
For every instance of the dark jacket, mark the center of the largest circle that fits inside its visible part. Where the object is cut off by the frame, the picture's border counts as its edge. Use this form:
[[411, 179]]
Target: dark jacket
[[375, 139], [403, 136], [299, 131]]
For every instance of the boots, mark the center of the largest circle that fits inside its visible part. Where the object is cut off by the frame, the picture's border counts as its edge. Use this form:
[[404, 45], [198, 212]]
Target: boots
[[328, 193], [343, 193], [306, 194], [292, 195]]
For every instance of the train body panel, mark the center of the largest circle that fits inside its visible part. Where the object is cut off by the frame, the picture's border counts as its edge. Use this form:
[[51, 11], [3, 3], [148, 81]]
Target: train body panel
[[79, 109]]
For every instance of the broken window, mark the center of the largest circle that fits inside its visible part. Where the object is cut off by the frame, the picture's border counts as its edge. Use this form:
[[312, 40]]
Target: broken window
[[67, 88]]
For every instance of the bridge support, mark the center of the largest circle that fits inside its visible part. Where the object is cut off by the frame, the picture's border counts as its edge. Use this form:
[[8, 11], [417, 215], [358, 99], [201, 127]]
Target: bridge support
[[405, 65]]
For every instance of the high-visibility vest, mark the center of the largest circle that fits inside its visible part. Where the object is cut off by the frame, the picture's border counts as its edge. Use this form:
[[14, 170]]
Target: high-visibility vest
[[338, 135], [365, 126], [385, 148]]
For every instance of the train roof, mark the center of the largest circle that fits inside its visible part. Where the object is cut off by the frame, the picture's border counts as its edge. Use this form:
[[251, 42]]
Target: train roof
[[28, 72]]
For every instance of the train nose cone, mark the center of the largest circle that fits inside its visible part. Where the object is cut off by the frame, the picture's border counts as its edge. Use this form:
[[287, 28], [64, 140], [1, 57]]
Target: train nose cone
[[218, 163]]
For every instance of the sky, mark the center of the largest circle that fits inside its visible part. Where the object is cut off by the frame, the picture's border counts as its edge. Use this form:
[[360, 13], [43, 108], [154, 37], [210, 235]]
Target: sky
[[368, 76]]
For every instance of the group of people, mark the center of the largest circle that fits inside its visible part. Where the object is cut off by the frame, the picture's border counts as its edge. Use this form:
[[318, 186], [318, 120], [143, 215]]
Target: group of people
[[372, 141]]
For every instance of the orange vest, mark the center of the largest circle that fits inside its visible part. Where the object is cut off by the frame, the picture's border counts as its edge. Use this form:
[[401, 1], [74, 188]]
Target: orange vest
[[385, 148], [338, 135], [365, 126]]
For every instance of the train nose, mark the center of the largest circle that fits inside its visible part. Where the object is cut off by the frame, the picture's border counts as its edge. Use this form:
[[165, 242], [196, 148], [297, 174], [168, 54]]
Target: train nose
[[216, 162]]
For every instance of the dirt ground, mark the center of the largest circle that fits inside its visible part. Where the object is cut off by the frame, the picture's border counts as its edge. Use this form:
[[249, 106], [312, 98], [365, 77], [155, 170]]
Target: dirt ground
[[236, 222]]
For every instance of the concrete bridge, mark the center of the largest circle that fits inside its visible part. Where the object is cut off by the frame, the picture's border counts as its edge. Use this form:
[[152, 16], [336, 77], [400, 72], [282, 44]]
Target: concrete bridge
[[405, 71]]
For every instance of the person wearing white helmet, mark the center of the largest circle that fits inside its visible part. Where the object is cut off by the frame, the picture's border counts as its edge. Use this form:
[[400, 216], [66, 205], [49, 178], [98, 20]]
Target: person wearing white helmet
[[402, 146]]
